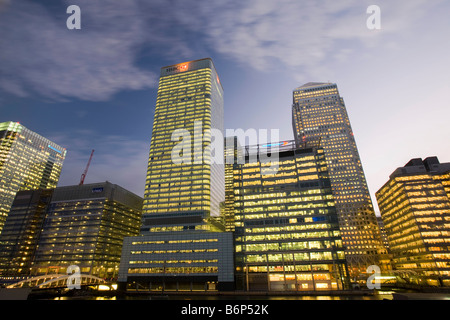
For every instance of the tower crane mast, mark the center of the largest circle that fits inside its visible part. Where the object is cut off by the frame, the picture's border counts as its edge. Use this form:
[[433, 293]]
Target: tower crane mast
[[86, 170]]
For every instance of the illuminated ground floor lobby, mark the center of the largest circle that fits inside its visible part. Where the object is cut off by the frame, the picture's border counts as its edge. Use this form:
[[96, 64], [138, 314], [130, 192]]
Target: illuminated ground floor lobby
[[178, 261], [175, 284], [257, 281]]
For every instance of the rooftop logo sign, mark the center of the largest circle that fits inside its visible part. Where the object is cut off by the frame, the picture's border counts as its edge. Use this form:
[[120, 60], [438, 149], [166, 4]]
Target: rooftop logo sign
[[181, 68]]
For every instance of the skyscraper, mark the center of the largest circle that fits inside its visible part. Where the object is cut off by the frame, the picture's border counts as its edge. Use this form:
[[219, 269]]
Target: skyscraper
[[319, 114], [182, 246], [182, 176], [27, 161], [415, 208]]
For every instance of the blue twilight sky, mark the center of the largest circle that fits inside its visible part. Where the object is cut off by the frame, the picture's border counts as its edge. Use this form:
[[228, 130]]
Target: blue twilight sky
[[95, 88]]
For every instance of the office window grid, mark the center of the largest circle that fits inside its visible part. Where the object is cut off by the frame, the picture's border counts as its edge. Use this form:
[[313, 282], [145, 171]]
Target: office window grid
[[319, 114]]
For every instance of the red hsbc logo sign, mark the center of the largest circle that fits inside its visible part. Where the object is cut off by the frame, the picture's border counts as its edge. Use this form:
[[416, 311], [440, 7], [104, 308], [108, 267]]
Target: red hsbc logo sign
[[182, 67]]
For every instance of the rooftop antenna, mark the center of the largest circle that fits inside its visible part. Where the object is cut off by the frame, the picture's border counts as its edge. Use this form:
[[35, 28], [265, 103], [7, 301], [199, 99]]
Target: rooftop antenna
[[87, 167]]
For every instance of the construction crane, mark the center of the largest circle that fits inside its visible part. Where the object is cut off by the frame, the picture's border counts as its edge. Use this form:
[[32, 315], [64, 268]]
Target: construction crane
[[86, 170]]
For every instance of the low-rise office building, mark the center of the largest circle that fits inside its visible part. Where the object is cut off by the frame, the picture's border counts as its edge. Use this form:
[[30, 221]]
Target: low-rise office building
[[82, 225], [287, 235], [177, 261], [415, 208]]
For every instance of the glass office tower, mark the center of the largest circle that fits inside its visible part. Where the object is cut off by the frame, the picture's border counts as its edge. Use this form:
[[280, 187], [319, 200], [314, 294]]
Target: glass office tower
[[415, 208], [319, 114], [182, 246], [20, 236], [27, 161], [287, 235], [184, 177]]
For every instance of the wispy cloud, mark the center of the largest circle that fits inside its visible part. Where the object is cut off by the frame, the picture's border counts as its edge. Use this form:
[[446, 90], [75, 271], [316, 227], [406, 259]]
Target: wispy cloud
[[302, 35], [41, 56], [308, 39], [116, 159]]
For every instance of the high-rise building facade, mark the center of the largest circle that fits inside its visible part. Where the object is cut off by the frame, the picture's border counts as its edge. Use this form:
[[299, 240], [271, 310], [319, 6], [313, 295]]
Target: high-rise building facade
[[27, 161], [415, 208], [383, 233], [232, 152], [182, 176], [319, 114], [287, 235]]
